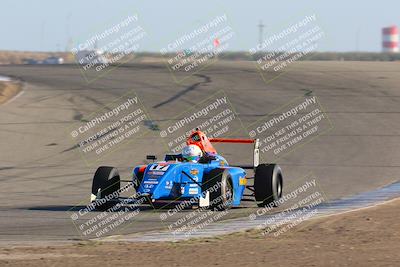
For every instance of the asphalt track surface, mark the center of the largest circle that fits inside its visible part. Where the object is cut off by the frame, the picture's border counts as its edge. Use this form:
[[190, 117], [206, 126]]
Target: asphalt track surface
[[43, 176]]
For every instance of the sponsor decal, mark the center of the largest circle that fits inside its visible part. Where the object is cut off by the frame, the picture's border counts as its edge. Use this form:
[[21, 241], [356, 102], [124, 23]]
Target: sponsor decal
[[242, 181], [193, 191], [150, 182], [159, 167], [156, 173], [194, 171], [168, 185]]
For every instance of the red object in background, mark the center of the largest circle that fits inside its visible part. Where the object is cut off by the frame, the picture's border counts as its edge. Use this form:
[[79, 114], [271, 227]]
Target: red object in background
[[390, 39], [216, 42], [390, 30]]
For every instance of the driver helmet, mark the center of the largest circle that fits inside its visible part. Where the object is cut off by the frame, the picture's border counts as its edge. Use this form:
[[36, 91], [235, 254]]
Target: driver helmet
[[192, 153]]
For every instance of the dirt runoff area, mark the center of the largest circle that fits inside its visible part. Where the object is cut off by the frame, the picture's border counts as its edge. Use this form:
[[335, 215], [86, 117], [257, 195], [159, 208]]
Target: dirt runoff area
[[8, 90], [367, 237]]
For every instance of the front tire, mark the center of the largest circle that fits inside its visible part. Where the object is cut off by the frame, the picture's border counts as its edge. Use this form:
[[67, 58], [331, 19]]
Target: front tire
[[219, 183], [105, 187], [268, 184]]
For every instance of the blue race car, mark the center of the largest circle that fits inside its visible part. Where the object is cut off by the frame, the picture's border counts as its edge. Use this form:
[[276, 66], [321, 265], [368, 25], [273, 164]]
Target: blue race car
[[209, 182]]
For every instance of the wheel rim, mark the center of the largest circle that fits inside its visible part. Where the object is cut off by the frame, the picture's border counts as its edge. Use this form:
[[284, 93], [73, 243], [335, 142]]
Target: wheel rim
[[228, 192], [279, 189]]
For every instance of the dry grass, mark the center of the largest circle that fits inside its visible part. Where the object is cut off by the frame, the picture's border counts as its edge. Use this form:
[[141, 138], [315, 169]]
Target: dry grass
[[8, 90], [17, 57]]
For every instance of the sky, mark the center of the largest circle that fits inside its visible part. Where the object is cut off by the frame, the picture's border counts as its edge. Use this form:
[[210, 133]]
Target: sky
[[50, 25]]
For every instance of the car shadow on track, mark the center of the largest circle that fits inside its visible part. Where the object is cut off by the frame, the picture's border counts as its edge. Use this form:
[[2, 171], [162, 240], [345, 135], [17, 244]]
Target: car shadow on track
[[77, 208]]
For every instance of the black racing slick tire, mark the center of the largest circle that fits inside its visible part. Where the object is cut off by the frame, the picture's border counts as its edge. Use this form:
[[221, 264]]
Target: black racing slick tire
[[219, 184], [268, 184], [105, 188], [137, 180]]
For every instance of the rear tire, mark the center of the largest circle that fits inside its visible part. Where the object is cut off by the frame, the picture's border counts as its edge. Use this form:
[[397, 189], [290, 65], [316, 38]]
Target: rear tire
[[137, 180], [105, 187], [219, 183], [268, 184]]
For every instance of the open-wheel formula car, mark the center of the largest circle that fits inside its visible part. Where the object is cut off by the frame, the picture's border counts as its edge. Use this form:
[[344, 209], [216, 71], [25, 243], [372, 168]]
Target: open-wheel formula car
[[209, 182]]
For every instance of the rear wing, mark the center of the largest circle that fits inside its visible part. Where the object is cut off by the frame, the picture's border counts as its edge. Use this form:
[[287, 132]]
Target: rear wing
[[256, 150]]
